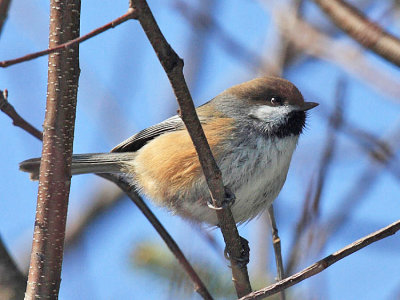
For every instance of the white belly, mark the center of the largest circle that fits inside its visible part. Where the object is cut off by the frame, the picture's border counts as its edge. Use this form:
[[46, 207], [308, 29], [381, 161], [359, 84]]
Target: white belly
[[255, 174]]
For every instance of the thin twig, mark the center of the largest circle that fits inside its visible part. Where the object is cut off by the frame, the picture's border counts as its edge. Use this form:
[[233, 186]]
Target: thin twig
[[130, 191], [276, 242], [9, 110], [55, 168], [173, 66], [131, 14], [359, 27], [324, 263]]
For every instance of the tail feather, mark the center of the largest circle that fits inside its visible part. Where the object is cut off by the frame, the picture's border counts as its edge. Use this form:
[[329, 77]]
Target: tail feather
[[85, 163]]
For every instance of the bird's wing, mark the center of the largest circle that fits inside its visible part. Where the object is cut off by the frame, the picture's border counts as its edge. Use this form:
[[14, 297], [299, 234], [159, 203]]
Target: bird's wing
[[138, 140]]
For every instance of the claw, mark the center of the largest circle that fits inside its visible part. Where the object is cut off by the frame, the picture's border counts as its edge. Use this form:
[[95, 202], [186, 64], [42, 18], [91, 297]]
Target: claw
[[244, 258], [227, 202]]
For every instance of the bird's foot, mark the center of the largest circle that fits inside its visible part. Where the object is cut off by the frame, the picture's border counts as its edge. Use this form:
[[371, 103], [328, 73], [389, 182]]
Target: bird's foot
[[244, 257], [228, 201]]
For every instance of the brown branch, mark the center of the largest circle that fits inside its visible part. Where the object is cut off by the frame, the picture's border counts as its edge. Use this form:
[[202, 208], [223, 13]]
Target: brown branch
[[276, 242], [173, 66], [324, 263], [9, 110], [12, 281], [55, 168], [360, 28], [131, 14], [4, 6], [131, 192]]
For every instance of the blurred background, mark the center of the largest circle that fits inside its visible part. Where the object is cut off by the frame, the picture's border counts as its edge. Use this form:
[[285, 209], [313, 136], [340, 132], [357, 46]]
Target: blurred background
[[342, 185]]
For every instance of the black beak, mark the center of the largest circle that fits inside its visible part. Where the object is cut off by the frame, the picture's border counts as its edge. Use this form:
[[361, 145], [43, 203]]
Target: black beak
[[307, 105]]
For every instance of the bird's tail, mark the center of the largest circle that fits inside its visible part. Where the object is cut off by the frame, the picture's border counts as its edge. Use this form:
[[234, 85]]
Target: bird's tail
[[85, 163]]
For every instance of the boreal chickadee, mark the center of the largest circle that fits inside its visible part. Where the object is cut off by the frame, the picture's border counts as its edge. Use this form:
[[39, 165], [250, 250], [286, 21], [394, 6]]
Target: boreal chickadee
[[252, 129]]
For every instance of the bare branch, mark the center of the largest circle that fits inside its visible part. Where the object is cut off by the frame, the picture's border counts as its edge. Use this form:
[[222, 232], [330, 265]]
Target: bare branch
[[324, 263], [55, 168], [9, 110], [131, 192], [360, 28], [131, 14], [276, 241], [173, 66]]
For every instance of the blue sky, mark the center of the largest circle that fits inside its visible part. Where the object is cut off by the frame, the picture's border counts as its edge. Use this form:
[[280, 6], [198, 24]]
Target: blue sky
[[123, 89]]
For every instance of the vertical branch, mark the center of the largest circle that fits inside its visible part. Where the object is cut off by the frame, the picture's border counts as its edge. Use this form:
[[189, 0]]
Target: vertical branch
[[276, 241], [55, 173], [173, 66]]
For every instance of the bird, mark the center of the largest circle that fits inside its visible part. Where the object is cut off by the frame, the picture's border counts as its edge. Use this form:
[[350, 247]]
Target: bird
[[252, 129]]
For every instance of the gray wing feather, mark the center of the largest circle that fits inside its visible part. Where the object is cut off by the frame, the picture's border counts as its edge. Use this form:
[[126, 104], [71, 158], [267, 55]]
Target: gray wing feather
[[138, 140]]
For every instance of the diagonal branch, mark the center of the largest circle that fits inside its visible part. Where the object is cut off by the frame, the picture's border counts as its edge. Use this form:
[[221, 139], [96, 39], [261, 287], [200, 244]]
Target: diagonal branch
[[10, 111], [132, 194], [360, 28], [173, 66], [324, 263], [131, 14]]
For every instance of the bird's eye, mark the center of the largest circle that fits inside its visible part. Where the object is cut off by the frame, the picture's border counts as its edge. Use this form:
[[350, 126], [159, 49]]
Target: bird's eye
[[275, 100]]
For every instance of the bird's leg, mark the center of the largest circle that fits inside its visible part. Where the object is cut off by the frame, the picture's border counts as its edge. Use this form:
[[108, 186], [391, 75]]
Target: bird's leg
[[228, 201], [244, 258]]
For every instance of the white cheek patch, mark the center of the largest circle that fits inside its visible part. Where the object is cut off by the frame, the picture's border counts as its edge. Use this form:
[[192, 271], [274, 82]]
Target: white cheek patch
[[270, 113]]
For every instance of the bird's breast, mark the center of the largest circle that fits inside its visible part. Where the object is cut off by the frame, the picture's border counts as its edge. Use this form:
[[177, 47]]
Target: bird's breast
[[254, 167], [258, 173]]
